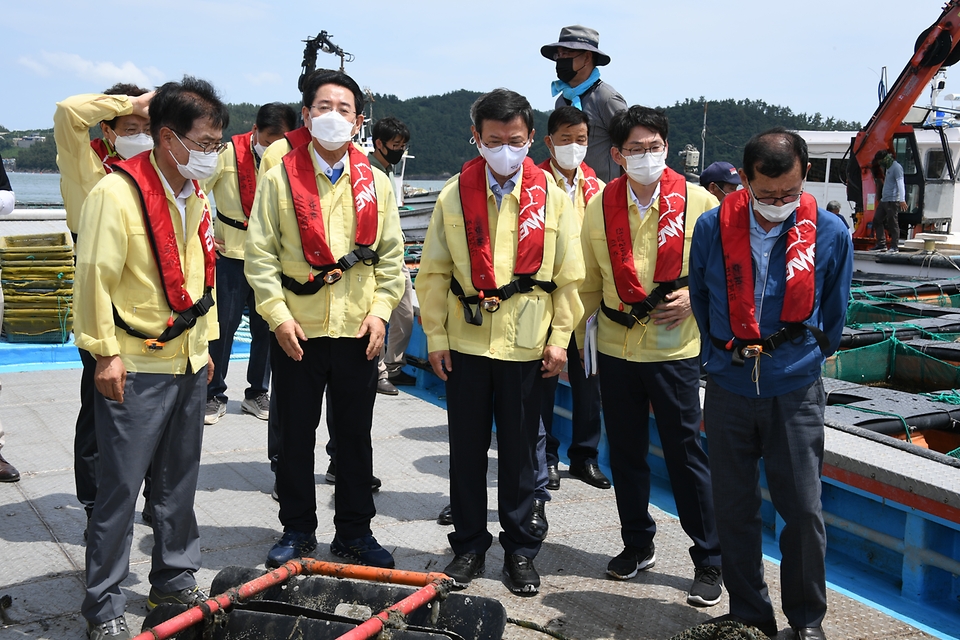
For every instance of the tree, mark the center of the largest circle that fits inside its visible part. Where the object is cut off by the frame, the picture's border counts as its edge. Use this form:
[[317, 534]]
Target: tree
[[41, 156]]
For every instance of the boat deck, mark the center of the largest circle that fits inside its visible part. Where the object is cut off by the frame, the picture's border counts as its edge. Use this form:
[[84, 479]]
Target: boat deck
[[42, 550]]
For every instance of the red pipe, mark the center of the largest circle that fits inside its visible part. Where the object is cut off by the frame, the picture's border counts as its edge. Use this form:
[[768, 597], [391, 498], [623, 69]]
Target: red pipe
[[224, 601], [375, 625]]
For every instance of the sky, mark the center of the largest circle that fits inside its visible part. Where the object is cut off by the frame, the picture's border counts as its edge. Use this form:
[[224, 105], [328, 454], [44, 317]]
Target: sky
[[817, 56]]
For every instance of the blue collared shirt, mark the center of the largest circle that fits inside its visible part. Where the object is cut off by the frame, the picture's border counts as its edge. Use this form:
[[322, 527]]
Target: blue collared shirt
[[333, 173], [761, 246], [498, 191]]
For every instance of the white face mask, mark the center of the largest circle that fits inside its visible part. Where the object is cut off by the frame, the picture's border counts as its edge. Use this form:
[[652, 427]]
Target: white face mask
[[129, 146], [200, 166], [504, 160], [648, 168], [259, 148], [569, 156], [331, 129], [775, 213]]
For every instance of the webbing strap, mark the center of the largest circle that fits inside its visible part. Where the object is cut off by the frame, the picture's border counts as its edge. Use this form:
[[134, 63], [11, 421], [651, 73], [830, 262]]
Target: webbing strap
[[640, 311], [184, 321], [788, 333], [331, 274], [491, 298]]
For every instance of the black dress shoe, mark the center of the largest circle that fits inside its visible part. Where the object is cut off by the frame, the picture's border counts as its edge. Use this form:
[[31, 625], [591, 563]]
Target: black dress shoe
[[553, 477], [446, 516], [538, 520], [8, 473], [464, 568], [809, 633], [590, 473]]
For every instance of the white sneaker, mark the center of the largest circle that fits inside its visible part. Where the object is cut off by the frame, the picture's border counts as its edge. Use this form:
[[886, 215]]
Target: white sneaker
[[216, 409], [258, 407]]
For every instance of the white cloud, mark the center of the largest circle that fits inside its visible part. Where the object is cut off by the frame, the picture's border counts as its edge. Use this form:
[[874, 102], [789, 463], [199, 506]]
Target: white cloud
[[101, 72], [264, 77]]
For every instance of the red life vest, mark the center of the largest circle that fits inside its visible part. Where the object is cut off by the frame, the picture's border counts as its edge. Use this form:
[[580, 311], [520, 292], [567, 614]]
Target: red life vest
[[590, 187], [671, 230], [246, 171], [163, 238], [108, 159], [298, 137], [738, 264], [306, 203], [530, 223]]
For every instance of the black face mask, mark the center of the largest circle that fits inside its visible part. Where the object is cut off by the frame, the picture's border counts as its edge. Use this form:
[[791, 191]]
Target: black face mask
[[565, 70], [392, 156]]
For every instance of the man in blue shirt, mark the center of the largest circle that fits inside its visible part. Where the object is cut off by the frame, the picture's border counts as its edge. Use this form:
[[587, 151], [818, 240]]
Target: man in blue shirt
[[769, 280], [893, 200]]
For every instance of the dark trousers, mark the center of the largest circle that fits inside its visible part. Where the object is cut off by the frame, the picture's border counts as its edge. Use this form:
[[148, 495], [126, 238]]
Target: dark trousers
[[298, 388], [86, 460], [586, 412], [158, 425], [629, 389], [787, 432], [480, 389], [887, 217], [233, 294]]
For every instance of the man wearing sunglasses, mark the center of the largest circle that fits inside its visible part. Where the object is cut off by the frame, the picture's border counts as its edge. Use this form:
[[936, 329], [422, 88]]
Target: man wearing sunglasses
[[578, 84], [769, 280], [144, 310], [636, 239]]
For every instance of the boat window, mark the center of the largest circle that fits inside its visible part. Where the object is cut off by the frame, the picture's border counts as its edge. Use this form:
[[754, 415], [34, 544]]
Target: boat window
[[904, 153], [818, 170], [936, 163], [836, 171]]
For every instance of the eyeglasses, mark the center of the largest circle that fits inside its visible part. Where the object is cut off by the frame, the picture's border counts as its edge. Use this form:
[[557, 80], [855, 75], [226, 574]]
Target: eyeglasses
[[209, 148], [326, 107], [790, 198], [656, 147], [496, 148]]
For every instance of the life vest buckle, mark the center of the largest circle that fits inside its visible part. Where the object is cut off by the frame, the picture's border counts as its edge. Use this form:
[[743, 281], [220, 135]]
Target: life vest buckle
[[332, 276], [752, 350], [152, 344], [490, 304]]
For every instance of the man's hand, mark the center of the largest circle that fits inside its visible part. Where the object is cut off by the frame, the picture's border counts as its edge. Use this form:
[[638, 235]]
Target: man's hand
[[141, 104], [375, 327], [674, 309], [440, 361], [289, 335], [553, 360], [210, 367], [903, 206], [109, 377], [219, 246]]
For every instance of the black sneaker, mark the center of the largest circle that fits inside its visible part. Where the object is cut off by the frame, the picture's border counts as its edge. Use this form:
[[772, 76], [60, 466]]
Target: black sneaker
[[191, 596], [331, 477], [520, 576], [115, 629], [707, 587], [630, 561], [365, 550], [465, 568], [292, 545]]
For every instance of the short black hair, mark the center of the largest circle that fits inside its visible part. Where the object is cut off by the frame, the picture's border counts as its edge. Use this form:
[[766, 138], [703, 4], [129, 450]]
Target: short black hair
[[774, 153], [566, 116], [178, 105], [321, 77], [122, 89], [501, 105], [388, 128], [625, 120], [276, 117]]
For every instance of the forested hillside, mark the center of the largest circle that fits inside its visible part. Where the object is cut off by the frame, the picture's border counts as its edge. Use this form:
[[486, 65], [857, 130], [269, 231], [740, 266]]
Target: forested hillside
[[440, 130]]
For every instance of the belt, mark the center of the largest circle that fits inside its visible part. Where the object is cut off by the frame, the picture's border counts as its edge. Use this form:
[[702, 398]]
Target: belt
[[331, 273], [184, 321], [490, 299], [230, 222], [640, 311]]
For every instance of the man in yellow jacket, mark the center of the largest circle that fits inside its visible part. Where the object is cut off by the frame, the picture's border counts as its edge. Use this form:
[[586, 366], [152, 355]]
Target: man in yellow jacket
[[233, 187], [498, 300], [323, 256], [636, 245], [144, 310], [122, 112]]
